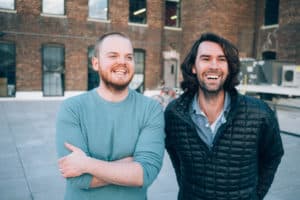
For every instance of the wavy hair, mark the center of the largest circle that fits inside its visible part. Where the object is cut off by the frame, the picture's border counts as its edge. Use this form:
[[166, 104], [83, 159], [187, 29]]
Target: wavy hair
[[190, 83]]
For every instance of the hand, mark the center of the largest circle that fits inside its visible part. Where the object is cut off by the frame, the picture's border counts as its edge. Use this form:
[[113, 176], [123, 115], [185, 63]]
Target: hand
[[73, 164]]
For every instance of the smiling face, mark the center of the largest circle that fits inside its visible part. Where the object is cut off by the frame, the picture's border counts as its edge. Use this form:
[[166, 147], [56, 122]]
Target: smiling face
[[211, 67], [115, 63]]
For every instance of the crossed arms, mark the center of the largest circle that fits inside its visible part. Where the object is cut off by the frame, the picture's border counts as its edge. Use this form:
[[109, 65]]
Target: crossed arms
[[83, 171], [120, 172]]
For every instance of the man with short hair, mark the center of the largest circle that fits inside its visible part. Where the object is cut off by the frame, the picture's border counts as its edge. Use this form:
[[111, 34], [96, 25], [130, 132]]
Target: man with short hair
[[110, 140]]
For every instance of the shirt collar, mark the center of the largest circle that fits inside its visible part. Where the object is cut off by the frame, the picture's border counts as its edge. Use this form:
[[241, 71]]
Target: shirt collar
[[197, 110]]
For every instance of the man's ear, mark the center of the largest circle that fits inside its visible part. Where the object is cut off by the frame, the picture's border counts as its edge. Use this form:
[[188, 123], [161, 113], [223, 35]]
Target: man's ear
[[95, 63], [194, 70]]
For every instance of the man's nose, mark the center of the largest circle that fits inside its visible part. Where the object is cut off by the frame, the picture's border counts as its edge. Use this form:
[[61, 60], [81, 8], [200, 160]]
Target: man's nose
[[121, 59], [214, 63]]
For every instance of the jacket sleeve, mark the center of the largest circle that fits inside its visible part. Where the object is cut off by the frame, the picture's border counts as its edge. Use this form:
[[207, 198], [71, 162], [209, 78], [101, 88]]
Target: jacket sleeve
[[170, 147], [149, 149], [68, 129], [270, 153]]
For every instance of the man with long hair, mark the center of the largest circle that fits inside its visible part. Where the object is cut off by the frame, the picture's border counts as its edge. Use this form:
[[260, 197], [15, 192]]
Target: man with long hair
[[223, 145], [110, 140]]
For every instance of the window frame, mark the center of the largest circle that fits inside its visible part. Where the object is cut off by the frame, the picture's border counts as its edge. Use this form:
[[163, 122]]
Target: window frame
[[270, 13], [141, 87], [90, 71], [7, 8], [138, 11], [99, 18], [178, 14], [53, 14], [49, 71], [10, 88]]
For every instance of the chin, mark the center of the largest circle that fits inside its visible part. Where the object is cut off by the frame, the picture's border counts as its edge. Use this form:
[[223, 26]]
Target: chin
[[211, 90], [119, 85]]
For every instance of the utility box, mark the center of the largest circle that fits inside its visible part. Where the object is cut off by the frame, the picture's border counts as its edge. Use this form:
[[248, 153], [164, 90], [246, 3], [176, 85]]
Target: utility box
[[248, 73], [291, 75]]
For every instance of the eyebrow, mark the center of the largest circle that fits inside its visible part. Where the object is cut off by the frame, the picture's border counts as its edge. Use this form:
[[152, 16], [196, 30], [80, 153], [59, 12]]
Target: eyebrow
[[205, 56], [114, 52]]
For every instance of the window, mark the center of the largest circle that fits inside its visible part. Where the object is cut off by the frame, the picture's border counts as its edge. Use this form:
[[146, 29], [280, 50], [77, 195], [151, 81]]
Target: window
[[137, 82], [271, 12], [53, 70], [98, 9], [137, 11], [7, 69], [7, 4], [93, 77], [56, 7], [172, 13]]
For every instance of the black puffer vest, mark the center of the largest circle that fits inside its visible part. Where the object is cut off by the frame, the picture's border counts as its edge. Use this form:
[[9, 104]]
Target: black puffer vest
[[246, 151]]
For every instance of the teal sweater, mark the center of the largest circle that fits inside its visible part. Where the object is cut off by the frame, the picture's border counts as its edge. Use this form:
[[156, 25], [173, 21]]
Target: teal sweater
[[110, 131]]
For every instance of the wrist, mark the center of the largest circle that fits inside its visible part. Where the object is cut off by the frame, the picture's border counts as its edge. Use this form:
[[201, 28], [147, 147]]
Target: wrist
[[86, 164]]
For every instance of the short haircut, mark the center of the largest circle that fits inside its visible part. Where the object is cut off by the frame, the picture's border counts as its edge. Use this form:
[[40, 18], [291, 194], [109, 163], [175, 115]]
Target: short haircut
[[105, 35]]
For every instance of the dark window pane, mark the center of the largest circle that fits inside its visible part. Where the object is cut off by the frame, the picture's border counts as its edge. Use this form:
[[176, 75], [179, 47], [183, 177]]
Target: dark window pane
[[7, 69], [138, 11], [271, 12], [172, 13], [53, 70], [93, 77]]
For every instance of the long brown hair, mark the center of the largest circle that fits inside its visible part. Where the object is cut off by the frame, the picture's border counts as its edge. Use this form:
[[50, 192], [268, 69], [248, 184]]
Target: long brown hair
[[190, 82]]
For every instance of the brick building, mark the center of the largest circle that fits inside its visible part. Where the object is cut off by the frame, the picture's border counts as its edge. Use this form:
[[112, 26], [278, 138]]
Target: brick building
[[45, 45]]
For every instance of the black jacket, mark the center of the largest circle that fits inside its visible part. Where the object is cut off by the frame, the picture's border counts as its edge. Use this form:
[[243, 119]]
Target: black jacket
[[246, 151]]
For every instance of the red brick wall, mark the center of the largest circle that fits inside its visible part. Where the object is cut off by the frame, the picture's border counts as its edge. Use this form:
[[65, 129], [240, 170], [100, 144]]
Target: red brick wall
[[239, 21], [233, 19], [283, 39], [288, 33]]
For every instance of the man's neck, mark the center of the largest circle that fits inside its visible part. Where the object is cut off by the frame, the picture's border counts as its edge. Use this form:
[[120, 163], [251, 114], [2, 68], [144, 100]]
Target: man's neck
[[211, 104], [112, 95]]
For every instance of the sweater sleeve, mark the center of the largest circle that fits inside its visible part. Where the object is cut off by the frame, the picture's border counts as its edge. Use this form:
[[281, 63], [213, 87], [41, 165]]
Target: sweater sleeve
[[68, 129], [149, 149], [271, 151]]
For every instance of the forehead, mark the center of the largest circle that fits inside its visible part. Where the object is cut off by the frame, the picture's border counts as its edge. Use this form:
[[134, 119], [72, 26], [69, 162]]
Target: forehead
[[208, 47], [116, 43]]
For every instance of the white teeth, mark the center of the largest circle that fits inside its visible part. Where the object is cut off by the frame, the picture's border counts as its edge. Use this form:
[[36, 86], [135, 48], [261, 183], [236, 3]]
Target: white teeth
[[120, 71], [212, 77]]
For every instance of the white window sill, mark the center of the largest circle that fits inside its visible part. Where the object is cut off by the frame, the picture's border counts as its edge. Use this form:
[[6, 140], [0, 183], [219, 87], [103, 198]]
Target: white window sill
[[98, 20], [53, 15], [173, 28], [137, 24], [269, 26], [7, 10]]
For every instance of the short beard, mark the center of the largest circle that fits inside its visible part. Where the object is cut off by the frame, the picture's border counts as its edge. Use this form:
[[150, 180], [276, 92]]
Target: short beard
[[209, 93], [116, 87]]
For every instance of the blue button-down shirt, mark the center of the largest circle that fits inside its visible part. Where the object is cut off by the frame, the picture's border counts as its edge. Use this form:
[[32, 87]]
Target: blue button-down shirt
[[205, 130]]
